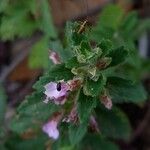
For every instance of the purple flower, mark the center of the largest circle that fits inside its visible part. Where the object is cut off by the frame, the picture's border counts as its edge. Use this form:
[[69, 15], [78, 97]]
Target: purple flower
[[50, 128], [56, 92], [54, 57]]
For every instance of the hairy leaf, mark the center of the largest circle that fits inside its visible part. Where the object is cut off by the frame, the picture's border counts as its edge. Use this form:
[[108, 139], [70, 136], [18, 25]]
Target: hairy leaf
[[122, 90], [113, 123], [85, 106]]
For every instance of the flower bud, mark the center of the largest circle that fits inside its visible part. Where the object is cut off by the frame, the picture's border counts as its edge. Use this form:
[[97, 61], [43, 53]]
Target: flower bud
[[106, 101], [54, 57]]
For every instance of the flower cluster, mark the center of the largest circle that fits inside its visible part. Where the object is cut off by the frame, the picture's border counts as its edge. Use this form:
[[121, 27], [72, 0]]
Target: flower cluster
[[58, 93]]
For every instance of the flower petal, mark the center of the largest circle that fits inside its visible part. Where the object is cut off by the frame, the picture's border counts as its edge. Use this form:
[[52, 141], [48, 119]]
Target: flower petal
[[50, 128]]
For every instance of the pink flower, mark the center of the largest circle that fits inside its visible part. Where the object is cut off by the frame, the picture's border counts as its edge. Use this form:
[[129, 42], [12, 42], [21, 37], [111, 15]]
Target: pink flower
[[51, 130], [93, 124], [54, 57], [56, 92], [106, 101]]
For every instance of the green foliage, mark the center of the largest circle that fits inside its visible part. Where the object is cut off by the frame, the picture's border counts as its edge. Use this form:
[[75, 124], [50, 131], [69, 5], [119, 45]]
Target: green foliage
[[17, 143], [76, 133], [46, 20], [94, 88], [98, 68], [96, 142], [114, 123], [38, 57], [106, 46], [111, 16], [21, 19], [122, 90], [122, 30], [118, 55], [85, 107]]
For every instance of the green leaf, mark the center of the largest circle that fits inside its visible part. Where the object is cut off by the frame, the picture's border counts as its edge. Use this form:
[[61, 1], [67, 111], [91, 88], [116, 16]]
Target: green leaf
[[72, 63], [113, 123], [17, 18], [3, 5], [129, 23], [20, 124], [94, 88], [99, 33], [47, 22], [39, 54], [106, 46], [17, 143], [143, 26], [118, 55], [96, 142], [122, 90], [43, 80], [33, 106], [83, 52], [35, 97], [76, 133], [111, 16], [85, 105], [72, 38], [58, 72], [56, 45]]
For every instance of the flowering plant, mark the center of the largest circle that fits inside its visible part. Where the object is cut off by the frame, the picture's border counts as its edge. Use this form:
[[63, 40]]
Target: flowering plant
[[75, 101], [77, 97]]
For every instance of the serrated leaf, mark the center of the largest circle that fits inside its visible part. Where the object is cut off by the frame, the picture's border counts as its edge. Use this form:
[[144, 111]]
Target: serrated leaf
[[94, 88], [56, 73], [34, 107], [72, 38], [85, 106], [83, 52], [113, 123], [59, 72], [43, 80], [96, 142], [76, 133], [72, 63], [122, 90], [35, 97], [118, 55], [106, 46]]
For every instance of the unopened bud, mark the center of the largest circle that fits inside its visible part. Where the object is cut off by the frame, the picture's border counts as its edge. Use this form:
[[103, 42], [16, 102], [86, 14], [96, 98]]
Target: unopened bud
[[106, 101], [54, 57], [104, 62]]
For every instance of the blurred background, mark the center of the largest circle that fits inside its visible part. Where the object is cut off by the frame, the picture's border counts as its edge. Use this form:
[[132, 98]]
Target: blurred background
[[24, 26]]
